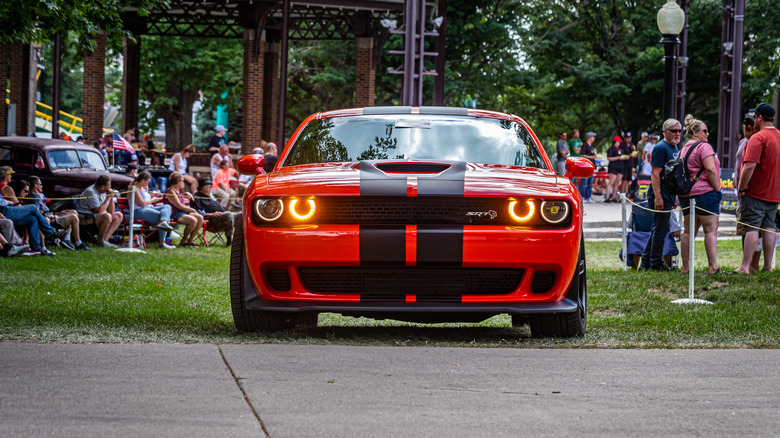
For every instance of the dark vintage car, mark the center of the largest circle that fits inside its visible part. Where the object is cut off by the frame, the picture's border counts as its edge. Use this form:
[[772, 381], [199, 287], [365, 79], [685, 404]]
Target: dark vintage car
[[411, 213], [66, 168]]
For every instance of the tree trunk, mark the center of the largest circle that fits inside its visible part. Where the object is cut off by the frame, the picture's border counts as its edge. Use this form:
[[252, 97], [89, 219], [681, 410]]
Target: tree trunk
[[178, 120]]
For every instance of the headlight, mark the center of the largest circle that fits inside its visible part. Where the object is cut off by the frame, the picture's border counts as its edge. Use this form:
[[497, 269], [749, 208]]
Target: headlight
[[555, 212], [522, 214], [300, 212], [269, 210]]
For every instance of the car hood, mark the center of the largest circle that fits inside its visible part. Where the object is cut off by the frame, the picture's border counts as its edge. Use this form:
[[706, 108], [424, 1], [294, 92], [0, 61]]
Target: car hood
[[377, 178]]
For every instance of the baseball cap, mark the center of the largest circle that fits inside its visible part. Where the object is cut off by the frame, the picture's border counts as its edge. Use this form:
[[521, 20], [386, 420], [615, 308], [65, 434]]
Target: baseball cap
[[765, 110], [750, 115], [628, 134], [205, 182], [131, 166], [617, 138], [589, 134], [220, 128], [644, 134]]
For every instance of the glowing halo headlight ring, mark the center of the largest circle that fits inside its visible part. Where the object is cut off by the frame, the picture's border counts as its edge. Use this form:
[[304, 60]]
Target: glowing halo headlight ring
[[302, 217], [555, 212], [269, 210], [527, 217]]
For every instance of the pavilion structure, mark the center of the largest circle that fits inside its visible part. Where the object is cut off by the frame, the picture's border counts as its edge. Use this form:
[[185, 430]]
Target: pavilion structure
[[266, 27]]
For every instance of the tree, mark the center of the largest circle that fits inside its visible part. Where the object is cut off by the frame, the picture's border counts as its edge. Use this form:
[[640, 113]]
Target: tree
[[29, 21], [175, 72]]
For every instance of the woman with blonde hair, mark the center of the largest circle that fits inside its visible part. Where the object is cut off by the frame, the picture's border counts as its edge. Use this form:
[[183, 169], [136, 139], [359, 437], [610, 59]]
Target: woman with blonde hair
[[179, 164], [704, 169], [145, 210], [181, 212]]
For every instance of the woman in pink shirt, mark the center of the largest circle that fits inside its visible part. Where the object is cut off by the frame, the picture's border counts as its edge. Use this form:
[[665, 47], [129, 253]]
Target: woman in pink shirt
[[706, 192]]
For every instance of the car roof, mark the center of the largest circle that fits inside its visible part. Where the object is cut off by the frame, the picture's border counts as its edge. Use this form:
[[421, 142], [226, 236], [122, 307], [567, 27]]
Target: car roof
[[417, 110], [43, 144]]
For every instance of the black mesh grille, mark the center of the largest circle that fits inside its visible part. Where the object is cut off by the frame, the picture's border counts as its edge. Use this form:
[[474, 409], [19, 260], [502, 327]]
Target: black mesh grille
[[410, 280], [279, 279], [415, 210], [413, 167], [543, 281]]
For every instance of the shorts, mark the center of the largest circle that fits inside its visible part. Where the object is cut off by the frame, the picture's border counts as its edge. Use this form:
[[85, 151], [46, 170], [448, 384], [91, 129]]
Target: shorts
[[707, 204], [177, 215], [756, 213], [613, 171], [62, 220]]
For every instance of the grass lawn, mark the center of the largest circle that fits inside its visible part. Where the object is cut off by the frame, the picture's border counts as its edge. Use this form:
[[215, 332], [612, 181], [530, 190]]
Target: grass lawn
[[183, 296]]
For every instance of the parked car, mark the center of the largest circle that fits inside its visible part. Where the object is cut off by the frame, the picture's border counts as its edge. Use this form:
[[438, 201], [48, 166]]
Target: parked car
[[411, 213], [66, 168]]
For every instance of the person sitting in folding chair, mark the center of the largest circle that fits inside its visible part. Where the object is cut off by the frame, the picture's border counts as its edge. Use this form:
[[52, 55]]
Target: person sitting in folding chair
[[146, 211], [219, 220]]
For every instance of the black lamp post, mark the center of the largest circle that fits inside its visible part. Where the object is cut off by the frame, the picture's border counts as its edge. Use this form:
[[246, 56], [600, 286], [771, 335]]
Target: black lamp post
[[671, 20]]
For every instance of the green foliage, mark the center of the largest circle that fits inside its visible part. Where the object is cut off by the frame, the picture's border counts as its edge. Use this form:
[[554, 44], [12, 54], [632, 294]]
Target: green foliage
[[175, 72], [31, 21], [321, 77]]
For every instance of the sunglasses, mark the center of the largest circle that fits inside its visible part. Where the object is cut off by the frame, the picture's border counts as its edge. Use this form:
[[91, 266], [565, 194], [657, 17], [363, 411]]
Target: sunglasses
[[675, 131], [706, 131]]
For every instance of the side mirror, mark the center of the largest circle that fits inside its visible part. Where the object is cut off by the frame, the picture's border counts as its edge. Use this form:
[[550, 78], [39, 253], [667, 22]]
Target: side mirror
[[252, 164], [577, 167]]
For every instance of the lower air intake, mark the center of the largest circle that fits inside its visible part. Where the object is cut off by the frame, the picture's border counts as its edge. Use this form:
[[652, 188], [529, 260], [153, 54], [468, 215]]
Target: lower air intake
[[378, 281]]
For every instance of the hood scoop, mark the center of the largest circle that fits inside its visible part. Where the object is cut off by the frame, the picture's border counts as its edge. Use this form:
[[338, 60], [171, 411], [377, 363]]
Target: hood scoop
[[413, 167]]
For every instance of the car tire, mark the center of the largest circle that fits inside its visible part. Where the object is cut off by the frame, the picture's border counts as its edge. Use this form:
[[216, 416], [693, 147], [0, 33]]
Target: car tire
[[566, 325], [247, 320]]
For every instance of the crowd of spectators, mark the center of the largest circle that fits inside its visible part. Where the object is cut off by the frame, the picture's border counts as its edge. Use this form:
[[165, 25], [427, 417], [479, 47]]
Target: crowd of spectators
[[29, 227]]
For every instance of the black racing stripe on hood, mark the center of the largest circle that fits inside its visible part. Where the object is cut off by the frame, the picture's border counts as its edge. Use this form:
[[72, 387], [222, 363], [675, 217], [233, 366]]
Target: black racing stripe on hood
[[451, 182], [374, 182], [382, 245], [439, 245]]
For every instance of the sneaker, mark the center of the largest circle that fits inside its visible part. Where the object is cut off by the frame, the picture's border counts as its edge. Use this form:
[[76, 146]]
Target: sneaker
[[31, 252], [83, 247], [107, 245], [175, 235], [165, 226], [46, 252], [17, 250], [67, 244], [166, 246]]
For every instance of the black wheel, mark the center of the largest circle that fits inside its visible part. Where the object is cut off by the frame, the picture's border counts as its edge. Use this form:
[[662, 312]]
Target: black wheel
[[566, 325], [250, 320]]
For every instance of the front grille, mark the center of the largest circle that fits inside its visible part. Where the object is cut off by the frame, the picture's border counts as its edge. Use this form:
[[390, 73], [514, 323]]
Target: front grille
[[413, 167], [390, 281]]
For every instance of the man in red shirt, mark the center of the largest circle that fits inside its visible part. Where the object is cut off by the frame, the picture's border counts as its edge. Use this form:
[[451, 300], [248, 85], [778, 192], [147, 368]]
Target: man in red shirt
[[759, 186]]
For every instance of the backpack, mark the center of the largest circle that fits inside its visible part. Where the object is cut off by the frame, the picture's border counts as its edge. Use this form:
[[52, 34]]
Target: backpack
[[675, 177]]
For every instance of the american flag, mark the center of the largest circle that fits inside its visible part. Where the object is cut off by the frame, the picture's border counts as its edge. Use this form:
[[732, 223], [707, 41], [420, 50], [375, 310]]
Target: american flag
[[122, 144]]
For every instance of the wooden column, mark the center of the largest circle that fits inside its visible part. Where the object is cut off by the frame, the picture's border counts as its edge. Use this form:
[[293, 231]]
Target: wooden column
[[131, 83], [94, 90], [252, 96], [3, 81], [271, 92]]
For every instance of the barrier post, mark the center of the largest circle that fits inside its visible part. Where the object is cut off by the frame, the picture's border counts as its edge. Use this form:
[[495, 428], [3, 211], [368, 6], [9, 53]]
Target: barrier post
[[625, 238], [131, 203], [691, 242]]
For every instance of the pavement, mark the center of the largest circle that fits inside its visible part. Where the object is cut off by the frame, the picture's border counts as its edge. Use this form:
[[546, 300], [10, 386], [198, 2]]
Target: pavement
[[604, 221], [199, 390]]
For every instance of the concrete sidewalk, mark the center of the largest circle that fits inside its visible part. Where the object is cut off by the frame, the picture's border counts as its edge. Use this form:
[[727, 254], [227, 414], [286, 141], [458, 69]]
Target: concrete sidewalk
[[107, 390]]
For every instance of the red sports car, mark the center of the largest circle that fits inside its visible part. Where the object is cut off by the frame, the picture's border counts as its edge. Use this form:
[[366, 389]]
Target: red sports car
[[420, 214]]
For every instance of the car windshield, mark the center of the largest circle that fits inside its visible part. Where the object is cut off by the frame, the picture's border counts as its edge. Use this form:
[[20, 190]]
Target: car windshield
[[71, 159], [403, 137]]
